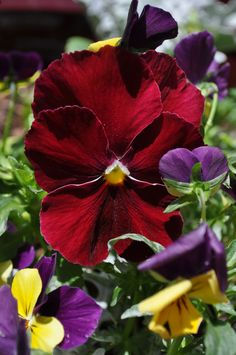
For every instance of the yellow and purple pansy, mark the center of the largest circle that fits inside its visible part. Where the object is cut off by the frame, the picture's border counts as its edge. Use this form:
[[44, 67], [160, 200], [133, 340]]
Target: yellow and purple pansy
[[196, 263]]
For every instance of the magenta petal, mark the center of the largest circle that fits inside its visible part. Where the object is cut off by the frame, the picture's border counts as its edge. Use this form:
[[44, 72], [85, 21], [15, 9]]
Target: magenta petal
[[74, 148], [213, 162], [78, 313]]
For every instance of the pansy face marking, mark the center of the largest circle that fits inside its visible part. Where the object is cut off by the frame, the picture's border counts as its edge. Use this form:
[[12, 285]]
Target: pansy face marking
[[116, 173]]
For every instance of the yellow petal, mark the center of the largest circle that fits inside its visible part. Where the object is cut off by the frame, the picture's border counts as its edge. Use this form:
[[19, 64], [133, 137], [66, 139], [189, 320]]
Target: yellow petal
[[26, 288], [179, 318], [94, 47], [206, 288], [165, 297], [5, 271], [46, 333]]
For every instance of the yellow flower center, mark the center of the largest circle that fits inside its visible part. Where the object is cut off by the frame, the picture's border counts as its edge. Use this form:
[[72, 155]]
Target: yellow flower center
[[116, 173]]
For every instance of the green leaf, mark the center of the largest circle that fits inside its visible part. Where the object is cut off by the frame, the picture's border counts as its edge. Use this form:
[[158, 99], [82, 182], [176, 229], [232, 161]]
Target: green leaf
[[179, 203], [226, 308], [77, 44], [231, 254], [115, 296], [220, 339], [156, 247], [8, 203], [196, 172]]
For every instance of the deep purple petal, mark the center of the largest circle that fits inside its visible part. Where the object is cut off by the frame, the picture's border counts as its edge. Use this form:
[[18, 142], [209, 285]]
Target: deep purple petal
[[77, 311], [46, 267], [194, 55], [150, 30], [218, 259], [24, 65], [213, 162], [4, 65], [219, 74], [193, 254], [131, 20], [177, 164], [23, 342], [8, 322], [24, 258]]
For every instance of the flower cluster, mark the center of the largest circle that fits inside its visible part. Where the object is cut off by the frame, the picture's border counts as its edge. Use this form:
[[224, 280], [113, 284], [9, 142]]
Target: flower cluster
[[66, 316]]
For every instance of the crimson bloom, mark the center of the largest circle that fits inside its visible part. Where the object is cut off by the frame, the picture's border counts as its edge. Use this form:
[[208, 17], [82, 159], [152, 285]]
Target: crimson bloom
[[103, 121]]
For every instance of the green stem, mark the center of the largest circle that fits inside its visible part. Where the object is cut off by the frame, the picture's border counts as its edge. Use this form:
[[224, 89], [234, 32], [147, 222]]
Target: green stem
[[174, 346], [10, 115], [212, 112], [202, 202]]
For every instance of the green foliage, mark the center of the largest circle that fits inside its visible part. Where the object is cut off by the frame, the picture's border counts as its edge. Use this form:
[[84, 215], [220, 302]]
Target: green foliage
[[220, 339]]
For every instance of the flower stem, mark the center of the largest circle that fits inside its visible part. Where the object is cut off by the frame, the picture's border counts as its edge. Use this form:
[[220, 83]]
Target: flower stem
[[10, 114], [202, 203], [174, 346], [212, 112]]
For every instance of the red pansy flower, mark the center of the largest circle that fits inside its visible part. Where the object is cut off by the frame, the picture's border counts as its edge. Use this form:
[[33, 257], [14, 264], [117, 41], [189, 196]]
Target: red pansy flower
[[103, 121]]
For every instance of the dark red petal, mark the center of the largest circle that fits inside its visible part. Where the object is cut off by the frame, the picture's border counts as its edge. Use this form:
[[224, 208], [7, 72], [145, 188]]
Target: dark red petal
[[178, 95], [117, 85], [67, 145], [163, 134], [78, 221]]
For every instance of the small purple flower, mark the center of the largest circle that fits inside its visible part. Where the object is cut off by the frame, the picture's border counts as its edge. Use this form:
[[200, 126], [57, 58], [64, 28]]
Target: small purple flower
[[78, 313], [192, 254], [13, 338], [195, 55], [150, 29], [19, 66], [177, 164], [24, 257]]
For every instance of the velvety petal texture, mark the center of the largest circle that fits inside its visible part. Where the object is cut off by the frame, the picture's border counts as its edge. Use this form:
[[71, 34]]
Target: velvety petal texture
[[25, 257], [101, 81], [111, 117], [8, 322], [194, 253], [150, 29], [24, 64], [177, 164], [177, 94], [46, 267], [194, 54], [78, 313]]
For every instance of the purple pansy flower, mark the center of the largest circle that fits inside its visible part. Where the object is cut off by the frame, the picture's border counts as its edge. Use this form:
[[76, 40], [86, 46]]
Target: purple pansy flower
[[24, 257], [13, 338], [78, 313], [19, 66], [195, 55], [150, 29], [177, 164], [192, 254]]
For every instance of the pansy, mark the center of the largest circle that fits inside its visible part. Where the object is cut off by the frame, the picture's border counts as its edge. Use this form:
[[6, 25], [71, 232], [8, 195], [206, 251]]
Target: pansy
[[195, 54], [111, 117], [197, 262], [24, 257], [177, 166], [147, 31], [13, 338], [19, 66], [66, 316]]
